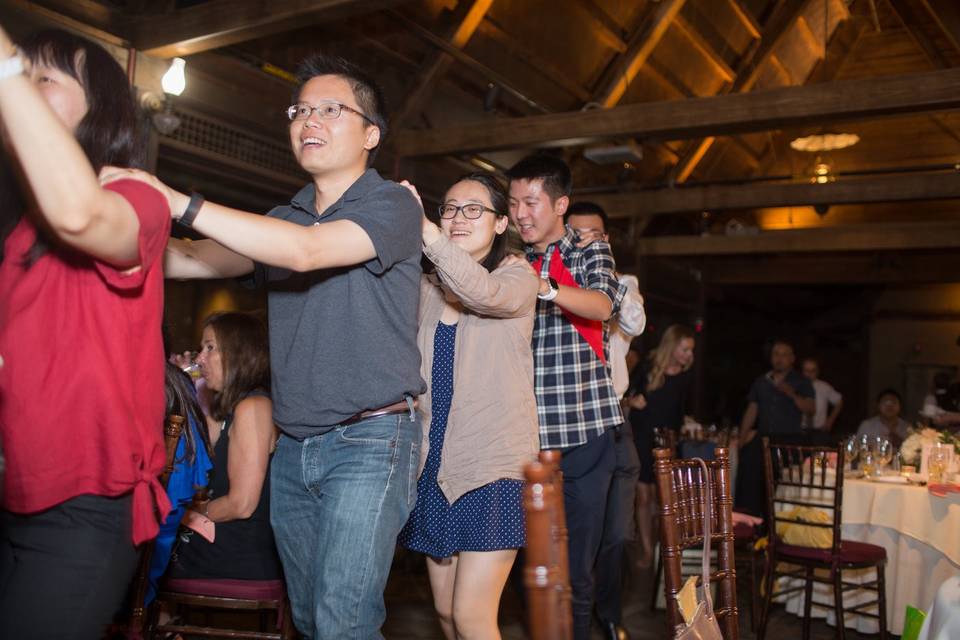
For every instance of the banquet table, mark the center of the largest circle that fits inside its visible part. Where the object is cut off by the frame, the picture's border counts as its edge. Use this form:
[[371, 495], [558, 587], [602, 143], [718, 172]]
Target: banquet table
[[921, 534]]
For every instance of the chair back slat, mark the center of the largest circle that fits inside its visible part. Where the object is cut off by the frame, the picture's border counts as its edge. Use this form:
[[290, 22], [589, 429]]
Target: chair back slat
[[800, 476], [683, 489]]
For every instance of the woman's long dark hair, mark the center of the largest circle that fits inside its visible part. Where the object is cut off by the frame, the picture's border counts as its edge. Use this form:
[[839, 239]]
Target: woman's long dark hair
[[108, 132], [244, 356], [182, 401]]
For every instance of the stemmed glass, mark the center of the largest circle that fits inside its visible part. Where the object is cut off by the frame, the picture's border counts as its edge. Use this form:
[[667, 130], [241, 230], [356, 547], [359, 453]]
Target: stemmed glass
[[884, 452], [851, 449]]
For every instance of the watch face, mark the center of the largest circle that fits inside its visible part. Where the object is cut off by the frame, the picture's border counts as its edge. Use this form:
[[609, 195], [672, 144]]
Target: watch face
[[553, 283]]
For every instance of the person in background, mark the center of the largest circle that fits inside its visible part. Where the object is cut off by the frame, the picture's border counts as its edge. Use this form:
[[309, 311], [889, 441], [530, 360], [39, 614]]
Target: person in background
[[234, 360], [479, 412], [776, 403], [576, 404], [589, 222], [828, 400], [81, 303], [657, 398], [887, 423]]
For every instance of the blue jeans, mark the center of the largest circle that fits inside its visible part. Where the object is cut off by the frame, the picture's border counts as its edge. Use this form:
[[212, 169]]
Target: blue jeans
[[338, 501]]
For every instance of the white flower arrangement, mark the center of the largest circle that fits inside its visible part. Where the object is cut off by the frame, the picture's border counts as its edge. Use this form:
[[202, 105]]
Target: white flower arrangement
[[912, 447]]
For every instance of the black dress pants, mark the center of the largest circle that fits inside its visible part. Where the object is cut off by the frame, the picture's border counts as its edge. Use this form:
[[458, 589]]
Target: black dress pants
[[64, 571], [587, 473]]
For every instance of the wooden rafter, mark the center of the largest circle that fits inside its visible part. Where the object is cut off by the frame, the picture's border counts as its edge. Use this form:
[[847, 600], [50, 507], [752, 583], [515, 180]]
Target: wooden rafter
[[518, 50], [946, 13], [853, 238], [88, 18], [746, 18], [217, 23], [747, 72], [639, 48], [911, 22], [700, 44], [469, 61], [695, 117], [758, 195], [438, 65], [608, 31]]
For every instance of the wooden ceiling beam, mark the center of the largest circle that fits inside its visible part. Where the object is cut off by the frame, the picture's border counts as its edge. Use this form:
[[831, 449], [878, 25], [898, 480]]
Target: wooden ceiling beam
[[847, 239], [517, 49], [640, 47], [825, 268], [911, 22], [90, 19], [745, 17], [748, 70], [700, 44], [946, 13], [695, 117], [468, 61], [217, 23], [608, 30], [759, 195], [433, 71]]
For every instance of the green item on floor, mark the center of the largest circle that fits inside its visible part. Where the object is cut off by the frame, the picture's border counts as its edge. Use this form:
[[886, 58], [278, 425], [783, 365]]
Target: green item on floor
[[912, 623]]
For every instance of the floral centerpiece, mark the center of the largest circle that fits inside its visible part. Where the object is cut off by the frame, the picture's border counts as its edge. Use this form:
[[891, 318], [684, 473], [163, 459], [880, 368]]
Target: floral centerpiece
[[912, 447]]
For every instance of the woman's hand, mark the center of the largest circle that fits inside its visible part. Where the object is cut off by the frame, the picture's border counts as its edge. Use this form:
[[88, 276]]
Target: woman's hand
[[638, 402], [512, 259], [429, 230], [175, 200]]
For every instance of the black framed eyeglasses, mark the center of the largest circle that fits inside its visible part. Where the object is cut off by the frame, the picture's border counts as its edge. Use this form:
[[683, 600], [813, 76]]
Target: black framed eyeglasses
[[326, 111], [470, 211]]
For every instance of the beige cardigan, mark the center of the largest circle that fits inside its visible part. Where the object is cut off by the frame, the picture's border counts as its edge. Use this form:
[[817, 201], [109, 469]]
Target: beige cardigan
[[492, 429]]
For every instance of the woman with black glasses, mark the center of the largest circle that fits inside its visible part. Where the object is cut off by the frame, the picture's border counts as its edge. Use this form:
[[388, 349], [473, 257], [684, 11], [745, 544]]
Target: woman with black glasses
[[479, 413]]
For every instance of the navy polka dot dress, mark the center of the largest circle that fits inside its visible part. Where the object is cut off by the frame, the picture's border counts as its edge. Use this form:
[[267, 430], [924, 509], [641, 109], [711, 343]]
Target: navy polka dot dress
[[485, 519]]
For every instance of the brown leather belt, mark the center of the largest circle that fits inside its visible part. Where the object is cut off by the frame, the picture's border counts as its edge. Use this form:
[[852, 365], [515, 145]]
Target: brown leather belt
[[389, 410]]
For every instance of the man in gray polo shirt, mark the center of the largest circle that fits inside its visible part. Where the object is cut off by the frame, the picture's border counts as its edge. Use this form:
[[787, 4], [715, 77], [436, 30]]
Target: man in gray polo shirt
[[341, 265]]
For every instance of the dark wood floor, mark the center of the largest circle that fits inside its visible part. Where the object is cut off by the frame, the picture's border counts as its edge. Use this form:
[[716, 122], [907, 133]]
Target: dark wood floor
[[410, 612]]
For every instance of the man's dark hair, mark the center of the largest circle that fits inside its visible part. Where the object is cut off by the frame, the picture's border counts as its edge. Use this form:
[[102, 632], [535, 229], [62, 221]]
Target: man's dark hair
[[784, 342], [587, 209], [889, 392], [366, 90], [552, 170], [108, 133]]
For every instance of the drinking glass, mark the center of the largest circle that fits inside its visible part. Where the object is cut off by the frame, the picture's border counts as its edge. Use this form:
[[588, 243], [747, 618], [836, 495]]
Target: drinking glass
[[868, 462], [884, 452], [851, 450], [937, 463]]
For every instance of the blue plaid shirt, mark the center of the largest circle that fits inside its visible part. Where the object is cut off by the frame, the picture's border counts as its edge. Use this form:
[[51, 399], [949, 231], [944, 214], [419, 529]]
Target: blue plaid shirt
[[575, 398]]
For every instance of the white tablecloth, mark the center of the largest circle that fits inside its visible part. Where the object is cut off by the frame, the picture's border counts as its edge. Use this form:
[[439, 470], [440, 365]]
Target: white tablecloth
[[921, 534]]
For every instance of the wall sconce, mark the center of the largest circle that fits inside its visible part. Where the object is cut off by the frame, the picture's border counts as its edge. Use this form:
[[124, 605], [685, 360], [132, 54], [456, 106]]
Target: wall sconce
[[174, 81]]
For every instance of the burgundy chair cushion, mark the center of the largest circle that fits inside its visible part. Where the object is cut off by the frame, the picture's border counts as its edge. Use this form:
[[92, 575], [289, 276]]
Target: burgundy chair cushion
[[850, 551], [228, 588]]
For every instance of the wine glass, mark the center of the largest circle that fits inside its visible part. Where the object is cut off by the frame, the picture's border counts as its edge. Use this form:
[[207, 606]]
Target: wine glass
[[884, 452], [851, 449], [868, 462], [937, 462]]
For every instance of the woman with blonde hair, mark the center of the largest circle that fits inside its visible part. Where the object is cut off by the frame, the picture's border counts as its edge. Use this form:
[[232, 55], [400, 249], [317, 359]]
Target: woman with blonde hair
[[657, 397]]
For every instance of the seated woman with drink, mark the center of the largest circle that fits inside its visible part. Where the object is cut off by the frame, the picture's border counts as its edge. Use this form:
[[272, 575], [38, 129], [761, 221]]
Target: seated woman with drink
[[234, 362]]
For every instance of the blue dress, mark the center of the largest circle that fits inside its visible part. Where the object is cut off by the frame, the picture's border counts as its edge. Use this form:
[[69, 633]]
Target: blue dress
[[488, 518]]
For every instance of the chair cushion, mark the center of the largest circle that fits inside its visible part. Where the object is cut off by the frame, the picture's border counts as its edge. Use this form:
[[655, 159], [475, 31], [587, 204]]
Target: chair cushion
[[850, 552], [228, 588]]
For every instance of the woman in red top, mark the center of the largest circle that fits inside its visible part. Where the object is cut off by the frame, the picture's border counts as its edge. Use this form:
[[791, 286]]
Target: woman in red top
[[81, 384]]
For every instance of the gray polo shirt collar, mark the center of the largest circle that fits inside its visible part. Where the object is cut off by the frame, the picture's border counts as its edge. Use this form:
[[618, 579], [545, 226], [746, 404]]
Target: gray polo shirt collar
[[306, 198]]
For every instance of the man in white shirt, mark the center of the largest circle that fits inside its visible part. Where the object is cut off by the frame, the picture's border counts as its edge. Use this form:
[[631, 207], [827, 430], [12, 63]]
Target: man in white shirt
[[829, 401]]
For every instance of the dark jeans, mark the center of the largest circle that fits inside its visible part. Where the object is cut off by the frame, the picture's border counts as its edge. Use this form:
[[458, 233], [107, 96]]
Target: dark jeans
[[587, 473], [618, 526], [64, 571]]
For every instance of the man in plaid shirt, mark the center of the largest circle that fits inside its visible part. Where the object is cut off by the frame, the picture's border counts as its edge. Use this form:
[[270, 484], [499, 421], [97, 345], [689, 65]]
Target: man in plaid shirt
[[576, 402]]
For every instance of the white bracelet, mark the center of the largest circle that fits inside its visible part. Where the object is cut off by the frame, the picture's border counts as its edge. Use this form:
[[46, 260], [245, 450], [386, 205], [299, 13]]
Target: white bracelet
[[12, 66]]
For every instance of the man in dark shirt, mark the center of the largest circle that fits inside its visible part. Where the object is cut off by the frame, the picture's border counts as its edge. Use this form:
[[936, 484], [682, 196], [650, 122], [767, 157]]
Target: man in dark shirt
[[341, 266], [777, 402]]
